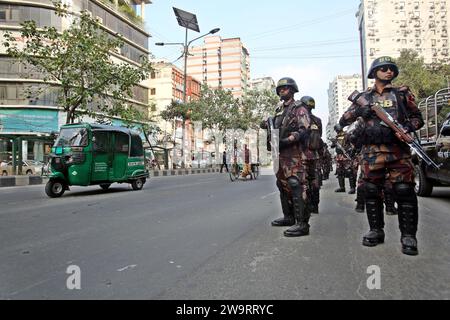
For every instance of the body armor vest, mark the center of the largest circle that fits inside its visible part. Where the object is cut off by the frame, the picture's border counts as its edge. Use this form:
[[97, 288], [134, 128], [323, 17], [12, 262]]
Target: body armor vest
[[376, 131]]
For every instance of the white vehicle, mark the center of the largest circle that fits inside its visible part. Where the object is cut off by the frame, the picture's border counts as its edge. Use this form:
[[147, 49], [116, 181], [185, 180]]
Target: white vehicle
[[29, 167]]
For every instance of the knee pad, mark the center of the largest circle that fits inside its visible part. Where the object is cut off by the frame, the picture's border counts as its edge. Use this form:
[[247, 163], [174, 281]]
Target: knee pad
[[293, 183], [404, 193], [371, 190], [403, 189]]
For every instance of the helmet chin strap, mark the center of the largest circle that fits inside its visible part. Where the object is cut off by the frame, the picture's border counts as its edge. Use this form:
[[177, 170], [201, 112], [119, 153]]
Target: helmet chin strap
[[286, 97], [385, 82]]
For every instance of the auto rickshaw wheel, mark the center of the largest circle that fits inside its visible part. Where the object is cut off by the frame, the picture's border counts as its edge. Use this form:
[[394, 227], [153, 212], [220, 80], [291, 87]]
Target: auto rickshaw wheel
[[55, 188], [137, 184], [105, 186]]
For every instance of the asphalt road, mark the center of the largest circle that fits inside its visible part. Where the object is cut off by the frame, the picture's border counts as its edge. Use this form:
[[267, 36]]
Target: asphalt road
[[204, 237]]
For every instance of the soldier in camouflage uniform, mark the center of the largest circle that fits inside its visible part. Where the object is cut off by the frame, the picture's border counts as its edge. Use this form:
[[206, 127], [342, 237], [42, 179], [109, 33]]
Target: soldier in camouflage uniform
[[385, 155], [357, 142], [326, 162], [292, 120], [344, 167], [312, 158]]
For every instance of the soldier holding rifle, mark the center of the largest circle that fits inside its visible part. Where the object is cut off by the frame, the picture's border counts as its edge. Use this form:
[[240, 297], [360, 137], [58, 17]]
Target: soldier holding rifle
[[386, 153]]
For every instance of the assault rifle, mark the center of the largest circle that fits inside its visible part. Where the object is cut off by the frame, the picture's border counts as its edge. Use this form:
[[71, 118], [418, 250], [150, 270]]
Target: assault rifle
[[398, 129], [343, 150]]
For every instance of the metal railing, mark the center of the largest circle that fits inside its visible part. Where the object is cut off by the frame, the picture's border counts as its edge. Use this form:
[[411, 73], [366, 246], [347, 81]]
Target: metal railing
[[435, 109]]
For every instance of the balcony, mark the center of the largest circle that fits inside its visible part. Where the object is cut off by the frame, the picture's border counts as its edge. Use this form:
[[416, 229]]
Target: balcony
[[125, 9]]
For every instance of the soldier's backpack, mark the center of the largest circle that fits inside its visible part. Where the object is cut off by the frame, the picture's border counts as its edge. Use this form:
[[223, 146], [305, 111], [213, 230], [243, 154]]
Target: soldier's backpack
[[314, 141]]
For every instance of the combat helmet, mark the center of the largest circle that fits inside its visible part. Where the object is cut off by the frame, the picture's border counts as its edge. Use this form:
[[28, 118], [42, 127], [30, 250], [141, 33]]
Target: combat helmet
[[308, 102], [380, 62], [286, 82]]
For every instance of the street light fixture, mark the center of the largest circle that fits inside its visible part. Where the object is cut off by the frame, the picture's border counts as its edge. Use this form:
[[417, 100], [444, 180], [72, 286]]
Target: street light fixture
[[188, 21]]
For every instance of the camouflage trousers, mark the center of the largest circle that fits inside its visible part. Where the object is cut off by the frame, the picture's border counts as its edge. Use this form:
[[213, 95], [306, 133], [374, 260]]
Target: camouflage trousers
[[343, 167], [377, 167], [297, 168]]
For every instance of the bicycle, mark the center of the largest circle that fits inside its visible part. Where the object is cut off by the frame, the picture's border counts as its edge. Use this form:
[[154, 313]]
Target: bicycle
[[236, 172]]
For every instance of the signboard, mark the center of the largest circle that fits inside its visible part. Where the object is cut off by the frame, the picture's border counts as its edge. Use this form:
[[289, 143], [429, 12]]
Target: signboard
[[29, 120]]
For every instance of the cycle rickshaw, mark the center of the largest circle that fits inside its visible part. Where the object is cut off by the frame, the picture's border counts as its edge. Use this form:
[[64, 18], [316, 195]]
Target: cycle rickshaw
[[236, 172]]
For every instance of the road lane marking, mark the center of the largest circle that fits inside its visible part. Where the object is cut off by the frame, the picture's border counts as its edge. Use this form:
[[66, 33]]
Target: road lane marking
[[268, 195], [131, 266]]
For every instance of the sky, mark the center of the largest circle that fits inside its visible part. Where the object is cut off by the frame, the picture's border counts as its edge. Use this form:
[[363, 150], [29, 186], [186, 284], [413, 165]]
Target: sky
[[310, 41]]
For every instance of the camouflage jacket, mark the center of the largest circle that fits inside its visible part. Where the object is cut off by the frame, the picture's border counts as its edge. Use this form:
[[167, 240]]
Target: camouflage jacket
[[398, 102]]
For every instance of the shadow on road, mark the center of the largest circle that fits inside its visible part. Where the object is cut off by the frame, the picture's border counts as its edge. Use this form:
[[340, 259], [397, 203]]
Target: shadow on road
[[76, 193]]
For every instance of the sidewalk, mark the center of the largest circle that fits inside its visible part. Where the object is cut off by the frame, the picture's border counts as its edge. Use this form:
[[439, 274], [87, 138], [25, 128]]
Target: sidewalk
[[16, 181]]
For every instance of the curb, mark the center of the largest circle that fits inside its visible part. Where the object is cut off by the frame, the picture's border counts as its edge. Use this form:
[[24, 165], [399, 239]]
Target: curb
[[18, 181]]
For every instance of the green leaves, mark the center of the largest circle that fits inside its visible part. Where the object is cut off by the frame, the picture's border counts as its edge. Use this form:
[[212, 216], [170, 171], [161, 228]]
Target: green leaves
[[423, 79]]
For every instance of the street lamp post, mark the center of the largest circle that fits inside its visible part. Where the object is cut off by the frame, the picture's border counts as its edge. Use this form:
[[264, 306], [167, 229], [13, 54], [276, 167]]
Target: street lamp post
[[185, 45]]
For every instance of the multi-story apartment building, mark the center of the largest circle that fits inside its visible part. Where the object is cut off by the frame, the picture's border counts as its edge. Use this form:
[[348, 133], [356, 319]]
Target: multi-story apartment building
[[387, 27], [221, 63], [264, 83], [338, 92], [25, 121], [166, 84]]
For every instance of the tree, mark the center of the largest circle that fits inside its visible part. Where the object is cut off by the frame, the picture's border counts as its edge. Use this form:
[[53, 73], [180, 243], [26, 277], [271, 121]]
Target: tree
[[79, 61], [257, 105], [423, 79], [218, 111]]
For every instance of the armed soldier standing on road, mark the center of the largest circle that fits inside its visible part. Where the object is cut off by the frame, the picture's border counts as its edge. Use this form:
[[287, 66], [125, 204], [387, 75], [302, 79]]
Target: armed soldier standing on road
[[383, 153], [343, 161], [292, 119], [312, 157], [326, 162]]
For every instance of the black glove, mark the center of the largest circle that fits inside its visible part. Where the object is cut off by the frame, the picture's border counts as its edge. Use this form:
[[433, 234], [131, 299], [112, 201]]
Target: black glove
[[284, 143], [338, 128], [365, 112]]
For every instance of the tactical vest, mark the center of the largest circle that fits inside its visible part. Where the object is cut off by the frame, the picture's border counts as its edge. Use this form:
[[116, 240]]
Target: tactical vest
[[376, 131]]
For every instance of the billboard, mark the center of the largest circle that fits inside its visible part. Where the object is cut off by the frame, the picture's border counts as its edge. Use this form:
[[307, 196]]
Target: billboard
[[28, 120]]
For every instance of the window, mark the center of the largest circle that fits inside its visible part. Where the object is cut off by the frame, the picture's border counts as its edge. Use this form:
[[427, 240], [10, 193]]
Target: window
[[122, 142], [136, 146], [101, 141], [2, 93], [153, 91]]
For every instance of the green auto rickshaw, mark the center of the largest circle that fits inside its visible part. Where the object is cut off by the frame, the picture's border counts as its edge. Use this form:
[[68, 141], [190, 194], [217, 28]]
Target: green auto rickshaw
[[93, 154]]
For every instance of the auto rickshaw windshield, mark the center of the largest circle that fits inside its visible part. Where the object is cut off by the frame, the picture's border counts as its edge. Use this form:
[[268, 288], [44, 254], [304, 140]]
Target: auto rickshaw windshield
[[72, 137]]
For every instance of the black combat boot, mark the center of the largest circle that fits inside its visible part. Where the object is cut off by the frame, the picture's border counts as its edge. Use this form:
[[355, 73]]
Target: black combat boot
[[288, 218], [360, 199], [352, 181], [374, 209], [315, 199], [408, 220], [389, 203], [341, 181], [302, 214], [408, 216]]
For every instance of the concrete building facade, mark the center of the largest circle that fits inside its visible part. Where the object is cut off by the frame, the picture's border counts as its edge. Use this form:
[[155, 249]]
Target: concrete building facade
[[166, 85], [338, 92], [388, 26], [221, 63], [264, 83], [29, 119]]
